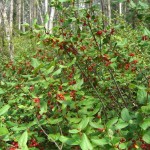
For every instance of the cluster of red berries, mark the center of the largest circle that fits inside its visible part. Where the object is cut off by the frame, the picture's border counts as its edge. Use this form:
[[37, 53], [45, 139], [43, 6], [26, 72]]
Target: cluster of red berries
[[33, 143], [106, 59], [145, 38], [132, 64], [72, 50], [99, 33], [143, 145], [14, 146], [73, 94], [72, 82], [82, 48], [60, 96], [36, 100]]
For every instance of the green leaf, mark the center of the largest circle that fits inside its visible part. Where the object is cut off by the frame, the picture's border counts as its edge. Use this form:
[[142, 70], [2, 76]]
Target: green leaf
[[57, 72], [145, 124], [74, 131], [85, 143], [62, 1], [50, 70], [83, 123], [70, 141], [146, 109], [125, 115], [96, 125], [43, 108], [54, 121], [123, 145], [141, 95], [122, 43], [132, 4], [35, 63], [72, 63], [77, 86], [146, 32], [100, 142], [111, 122], [55, 136], [121, 125], [4, 109], [23, 141], [143, 5], [2, 91], [25, 25], [3, 131], [146, 137]]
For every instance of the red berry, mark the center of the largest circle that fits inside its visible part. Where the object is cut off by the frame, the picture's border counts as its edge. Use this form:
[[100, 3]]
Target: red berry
[[98, 116], [49, 94], [135, 61], [88, 16], [101, 129], [36, 100], [127, 66], [31, 88], [144, 37], [60, 96], [131, 54], [82, 48], [99, 32]]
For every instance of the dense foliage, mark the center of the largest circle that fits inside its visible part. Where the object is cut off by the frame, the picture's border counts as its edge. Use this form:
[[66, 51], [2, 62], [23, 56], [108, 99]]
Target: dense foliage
[[85, 88]]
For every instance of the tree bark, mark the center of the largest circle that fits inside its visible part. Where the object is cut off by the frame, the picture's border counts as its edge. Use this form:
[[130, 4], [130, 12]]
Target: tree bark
[[109, 11], [120, 8], [40, 12], [23, 16], [46, 13], [52, 14], [18, 14], [8, 27]]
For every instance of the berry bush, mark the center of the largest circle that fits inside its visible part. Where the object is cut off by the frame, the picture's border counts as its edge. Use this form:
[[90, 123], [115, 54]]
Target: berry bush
[[83, 87]]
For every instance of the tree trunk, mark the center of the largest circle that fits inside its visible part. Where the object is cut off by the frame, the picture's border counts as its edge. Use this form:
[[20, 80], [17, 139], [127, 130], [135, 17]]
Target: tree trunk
[[103, 13], [109, 11], [46, 13], [23, 16], [52, 14], [30, 12], [18, 14], [2, 29], [120, 8], [11, 47], [40, 12], [8, 28]]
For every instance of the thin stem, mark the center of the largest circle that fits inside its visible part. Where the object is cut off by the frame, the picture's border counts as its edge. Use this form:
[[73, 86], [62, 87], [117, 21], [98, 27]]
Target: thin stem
[[100, 98], [51, 140], [118, 88]]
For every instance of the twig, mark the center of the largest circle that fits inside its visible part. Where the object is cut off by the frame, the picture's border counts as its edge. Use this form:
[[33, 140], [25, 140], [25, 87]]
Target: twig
[[110, 71], [60, 148]]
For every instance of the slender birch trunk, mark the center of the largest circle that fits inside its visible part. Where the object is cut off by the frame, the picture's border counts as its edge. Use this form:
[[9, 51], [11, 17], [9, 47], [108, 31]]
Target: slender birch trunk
[[52, 14], [40, 12], [34, 9], [23, 16], [30, 12], [8, 28], [46, 12], [10, 44], [120, 8], [109, 11], [103, 13], [2, 27], [18, 12]]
